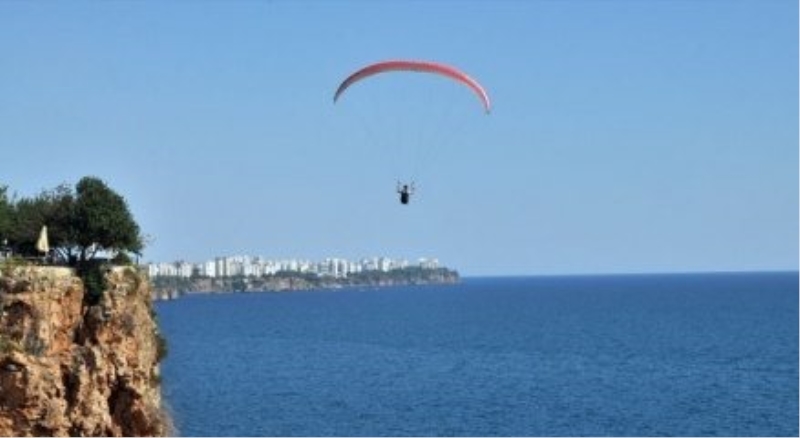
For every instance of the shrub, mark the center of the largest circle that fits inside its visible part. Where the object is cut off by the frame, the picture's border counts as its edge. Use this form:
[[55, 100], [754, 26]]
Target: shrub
[[161, 347], [93, 274]]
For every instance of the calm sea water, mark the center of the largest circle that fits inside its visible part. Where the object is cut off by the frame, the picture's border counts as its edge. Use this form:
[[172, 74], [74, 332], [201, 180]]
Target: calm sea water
[[688, 355]]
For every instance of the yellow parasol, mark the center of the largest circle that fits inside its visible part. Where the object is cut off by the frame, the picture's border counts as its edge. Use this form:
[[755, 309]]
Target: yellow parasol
[[43, 244]]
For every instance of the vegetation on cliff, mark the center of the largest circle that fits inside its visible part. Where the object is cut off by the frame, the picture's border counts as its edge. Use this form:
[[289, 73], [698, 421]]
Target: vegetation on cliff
[[81, 222]]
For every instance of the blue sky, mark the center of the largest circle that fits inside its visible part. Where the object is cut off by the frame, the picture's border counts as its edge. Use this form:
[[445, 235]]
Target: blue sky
[[626, 136]]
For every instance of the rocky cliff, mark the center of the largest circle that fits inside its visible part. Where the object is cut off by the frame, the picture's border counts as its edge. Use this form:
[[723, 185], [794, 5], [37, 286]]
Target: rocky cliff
[[68, 368]]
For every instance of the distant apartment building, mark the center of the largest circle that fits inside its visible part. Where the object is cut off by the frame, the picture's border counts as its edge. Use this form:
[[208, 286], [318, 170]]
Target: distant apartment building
[[207, 269]]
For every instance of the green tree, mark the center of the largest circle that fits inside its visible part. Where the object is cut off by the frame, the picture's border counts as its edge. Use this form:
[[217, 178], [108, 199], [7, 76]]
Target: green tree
[[59, 205], [27, 221], [52, 208], [81, 222], [102, 221]]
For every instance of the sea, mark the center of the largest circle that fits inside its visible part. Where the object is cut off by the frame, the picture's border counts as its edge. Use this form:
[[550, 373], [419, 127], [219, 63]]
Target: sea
[[611, 355]]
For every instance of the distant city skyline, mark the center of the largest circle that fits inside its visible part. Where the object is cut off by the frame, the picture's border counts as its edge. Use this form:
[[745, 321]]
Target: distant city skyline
[[257, 266]]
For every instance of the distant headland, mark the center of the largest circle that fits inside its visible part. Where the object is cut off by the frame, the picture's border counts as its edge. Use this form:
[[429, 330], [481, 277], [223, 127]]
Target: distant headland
[[256, 274]]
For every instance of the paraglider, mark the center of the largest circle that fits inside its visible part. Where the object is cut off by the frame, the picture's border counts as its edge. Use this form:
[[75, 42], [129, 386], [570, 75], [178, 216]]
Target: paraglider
[[415, 66], [405, 191], [420, 67]]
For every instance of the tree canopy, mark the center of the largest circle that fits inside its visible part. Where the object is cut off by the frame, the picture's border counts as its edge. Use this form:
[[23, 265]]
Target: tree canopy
[[82, 222]]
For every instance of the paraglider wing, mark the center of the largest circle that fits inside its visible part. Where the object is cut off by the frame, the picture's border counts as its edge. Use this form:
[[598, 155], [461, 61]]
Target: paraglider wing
[[416, 66]]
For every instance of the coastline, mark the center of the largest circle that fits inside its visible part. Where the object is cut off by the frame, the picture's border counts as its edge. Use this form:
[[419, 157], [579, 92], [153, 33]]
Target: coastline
[[169, 288]]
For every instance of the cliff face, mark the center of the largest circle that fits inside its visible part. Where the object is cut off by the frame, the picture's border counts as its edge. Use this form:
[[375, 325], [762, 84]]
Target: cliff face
[[71, 369]]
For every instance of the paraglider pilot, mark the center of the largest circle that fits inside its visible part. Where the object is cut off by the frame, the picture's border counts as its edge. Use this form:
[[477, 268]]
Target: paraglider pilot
[[405, 192]]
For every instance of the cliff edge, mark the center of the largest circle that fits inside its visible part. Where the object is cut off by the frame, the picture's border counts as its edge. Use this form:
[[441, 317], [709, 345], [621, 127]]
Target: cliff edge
[[68, 368]]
